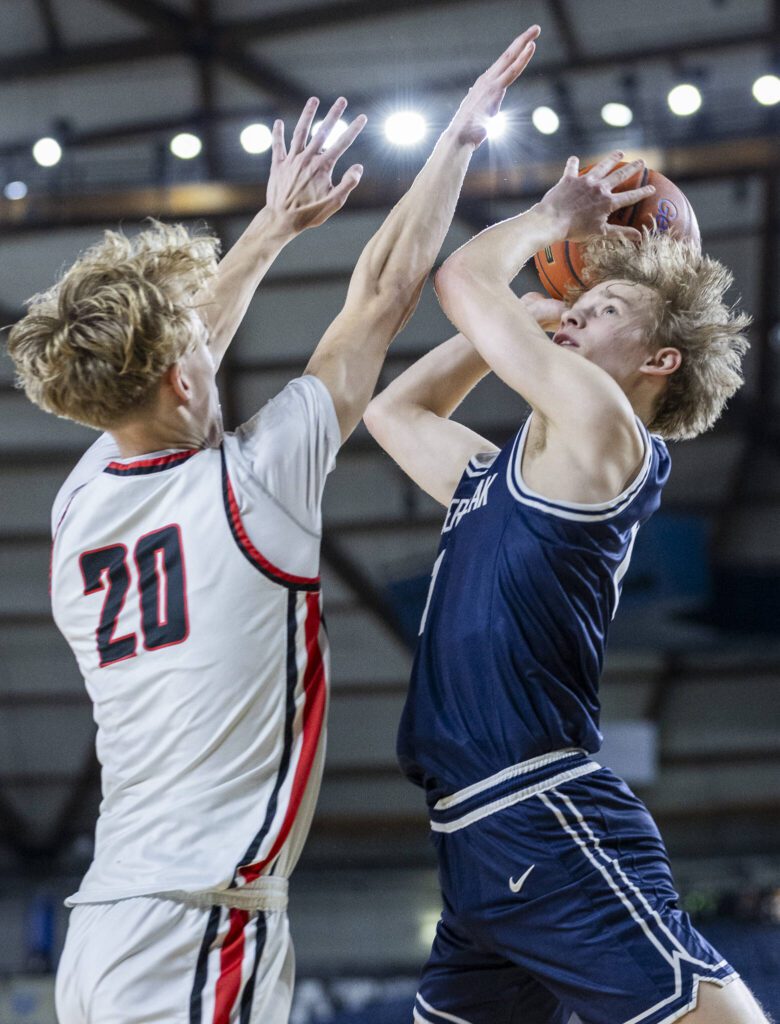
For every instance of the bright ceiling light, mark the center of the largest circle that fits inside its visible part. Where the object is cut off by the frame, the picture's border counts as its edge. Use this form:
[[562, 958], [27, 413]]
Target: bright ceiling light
[[335, 133], [186, 146], [618, 115], [545, 120], [15, 190], [47, 152], [405, 128], [256, 138], [684, 100], [766, 90], [496, 126]]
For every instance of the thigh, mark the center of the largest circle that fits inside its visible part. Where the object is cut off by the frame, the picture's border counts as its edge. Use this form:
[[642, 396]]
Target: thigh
[[466, 984], [145, 959], [574, 887]]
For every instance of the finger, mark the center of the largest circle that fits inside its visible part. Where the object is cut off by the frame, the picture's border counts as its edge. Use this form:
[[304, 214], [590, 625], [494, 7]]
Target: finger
[[621, 174], [515, 48], [278, 148], [344, 141], [622, 231], [621, 199], [518, 66], [301, 132], [330, 120], [572, 168], [603, 167], [349, 181]]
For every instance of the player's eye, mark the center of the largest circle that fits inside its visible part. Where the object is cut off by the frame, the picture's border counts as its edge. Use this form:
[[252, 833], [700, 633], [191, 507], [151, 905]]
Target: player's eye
[[610, 309]]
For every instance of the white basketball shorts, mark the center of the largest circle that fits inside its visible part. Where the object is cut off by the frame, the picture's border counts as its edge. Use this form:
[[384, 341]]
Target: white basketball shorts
[[149, 959]]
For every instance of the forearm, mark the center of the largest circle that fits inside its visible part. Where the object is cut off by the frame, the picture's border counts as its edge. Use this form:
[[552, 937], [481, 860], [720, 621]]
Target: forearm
[[499, 252], [399, 257], [240, 271], [437, 383]]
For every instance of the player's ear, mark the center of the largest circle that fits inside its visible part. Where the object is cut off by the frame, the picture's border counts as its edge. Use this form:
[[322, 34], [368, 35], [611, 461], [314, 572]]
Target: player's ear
[[662, 362], [178, 382]]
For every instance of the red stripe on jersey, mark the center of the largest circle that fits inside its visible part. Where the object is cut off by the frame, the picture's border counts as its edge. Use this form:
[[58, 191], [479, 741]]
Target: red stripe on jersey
[[161, 460], [230, 959], [314, 702], [251, 550]]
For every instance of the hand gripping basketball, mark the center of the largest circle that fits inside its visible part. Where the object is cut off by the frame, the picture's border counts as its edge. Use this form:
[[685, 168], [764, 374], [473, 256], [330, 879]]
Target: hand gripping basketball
[[620, 200]]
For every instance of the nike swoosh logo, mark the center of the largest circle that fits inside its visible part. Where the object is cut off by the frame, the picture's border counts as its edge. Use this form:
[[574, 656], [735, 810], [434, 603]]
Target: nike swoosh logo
[[516, 886]]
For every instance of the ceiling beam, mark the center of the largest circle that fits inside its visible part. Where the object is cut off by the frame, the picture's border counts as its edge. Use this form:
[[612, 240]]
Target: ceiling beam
[[42, 63], [38, 211], [201, 40], [50, 25]]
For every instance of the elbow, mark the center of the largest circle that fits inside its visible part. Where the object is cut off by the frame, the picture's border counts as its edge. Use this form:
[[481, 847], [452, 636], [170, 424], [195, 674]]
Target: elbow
[[375, 417], [449, 281]]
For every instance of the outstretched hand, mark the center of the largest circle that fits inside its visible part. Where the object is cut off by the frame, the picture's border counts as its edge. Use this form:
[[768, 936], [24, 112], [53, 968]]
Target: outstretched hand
[[484, 98], [299, 187], [585, 201]]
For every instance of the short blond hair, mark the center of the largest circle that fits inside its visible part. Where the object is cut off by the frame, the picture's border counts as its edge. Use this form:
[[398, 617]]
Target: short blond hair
[[95, 346], [690, 315]]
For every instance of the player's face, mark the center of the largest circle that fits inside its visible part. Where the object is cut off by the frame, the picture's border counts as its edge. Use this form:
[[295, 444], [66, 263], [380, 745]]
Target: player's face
[[610, 326], [197, 364]]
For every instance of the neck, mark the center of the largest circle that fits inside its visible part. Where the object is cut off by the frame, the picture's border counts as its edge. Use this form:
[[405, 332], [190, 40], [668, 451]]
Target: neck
[[644, 395], [157, 430]]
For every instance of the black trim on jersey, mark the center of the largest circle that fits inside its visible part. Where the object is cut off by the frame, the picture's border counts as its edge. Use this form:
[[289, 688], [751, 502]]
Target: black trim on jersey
[[284, 764], [156, 465], [261, 934], [202, 968], [291, 584]]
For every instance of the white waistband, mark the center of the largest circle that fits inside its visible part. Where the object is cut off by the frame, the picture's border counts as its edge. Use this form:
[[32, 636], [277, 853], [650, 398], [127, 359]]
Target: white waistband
[[521, 768], [266, 893], [515, 797]]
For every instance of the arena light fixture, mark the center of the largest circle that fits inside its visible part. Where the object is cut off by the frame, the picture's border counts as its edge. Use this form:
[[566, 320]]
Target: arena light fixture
[[186, 146], [684, 99], [545, 120], [47, 152], [496, 125], [617, 115], [766, 90], [405, 128], [256, 138], [335, 133], [15, 190]]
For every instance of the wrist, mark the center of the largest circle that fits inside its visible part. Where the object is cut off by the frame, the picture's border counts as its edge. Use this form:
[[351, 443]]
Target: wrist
[[272, 228], [553, 222]]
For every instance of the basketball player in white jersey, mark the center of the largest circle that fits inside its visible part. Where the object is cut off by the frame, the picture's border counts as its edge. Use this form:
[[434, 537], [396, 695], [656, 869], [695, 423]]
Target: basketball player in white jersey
[[185, 575]]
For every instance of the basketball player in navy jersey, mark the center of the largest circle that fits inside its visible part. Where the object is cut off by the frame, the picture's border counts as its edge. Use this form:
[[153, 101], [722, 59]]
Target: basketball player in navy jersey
[[558, 897], [185, 574]]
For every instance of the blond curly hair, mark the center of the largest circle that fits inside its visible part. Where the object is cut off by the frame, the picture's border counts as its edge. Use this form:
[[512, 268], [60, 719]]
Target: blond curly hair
[[94, 347], [690, 315]]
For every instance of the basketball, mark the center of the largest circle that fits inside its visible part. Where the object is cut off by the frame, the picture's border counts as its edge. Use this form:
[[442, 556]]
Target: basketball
[[559, 265]]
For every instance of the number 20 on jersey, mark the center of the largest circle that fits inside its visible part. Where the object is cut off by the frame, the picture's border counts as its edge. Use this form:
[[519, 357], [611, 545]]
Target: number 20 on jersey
[[160, 577]]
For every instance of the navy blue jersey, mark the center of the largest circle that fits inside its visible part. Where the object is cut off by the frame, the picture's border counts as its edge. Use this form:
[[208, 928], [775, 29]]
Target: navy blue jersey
[[513, 634]]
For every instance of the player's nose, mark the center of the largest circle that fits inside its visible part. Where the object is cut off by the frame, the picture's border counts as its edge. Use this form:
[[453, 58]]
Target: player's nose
[[572, 318]]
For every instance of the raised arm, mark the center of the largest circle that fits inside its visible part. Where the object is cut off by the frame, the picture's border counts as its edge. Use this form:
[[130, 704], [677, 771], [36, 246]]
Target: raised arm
[[580, 403], [389, 276], [410, 418], [300, 194]]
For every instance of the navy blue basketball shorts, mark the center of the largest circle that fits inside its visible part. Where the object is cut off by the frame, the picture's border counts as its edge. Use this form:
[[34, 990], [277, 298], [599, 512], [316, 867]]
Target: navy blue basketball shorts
[[558, 899]]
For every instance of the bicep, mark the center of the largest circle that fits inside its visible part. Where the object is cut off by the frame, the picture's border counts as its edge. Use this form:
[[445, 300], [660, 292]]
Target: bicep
[[431, 450]]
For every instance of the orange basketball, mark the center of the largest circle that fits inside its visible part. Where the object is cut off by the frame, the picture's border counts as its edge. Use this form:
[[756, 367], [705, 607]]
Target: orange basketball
[[560, 265]]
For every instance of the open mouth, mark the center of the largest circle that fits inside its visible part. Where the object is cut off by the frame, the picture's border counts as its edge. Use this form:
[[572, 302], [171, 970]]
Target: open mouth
[[564, 341]]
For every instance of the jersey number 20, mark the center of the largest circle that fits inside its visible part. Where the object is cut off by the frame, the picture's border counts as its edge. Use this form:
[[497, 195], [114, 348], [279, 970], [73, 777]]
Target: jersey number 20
[[159, 562]]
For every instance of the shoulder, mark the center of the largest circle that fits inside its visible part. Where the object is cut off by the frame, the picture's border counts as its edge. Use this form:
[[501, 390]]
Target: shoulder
[[90, 465], [304, 403]]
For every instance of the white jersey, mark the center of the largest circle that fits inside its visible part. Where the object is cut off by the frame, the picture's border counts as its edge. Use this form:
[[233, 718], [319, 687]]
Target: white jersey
[[186, 583]]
